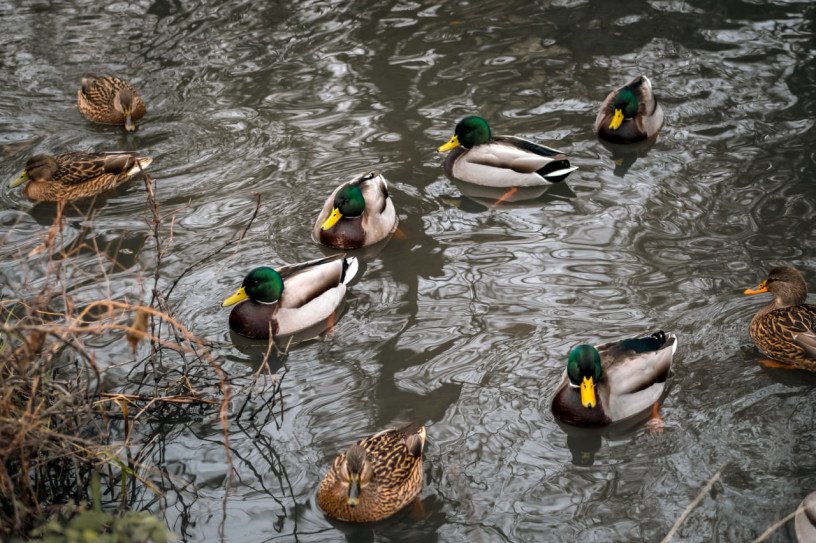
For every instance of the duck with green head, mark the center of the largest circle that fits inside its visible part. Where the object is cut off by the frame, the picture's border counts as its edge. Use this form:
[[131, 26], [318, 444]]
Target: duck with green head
[[479, 157], [615, 381], [70, 176], [290, 299], [630, 113], [110, 100], [785, 328], [375, 477], [357, 214]]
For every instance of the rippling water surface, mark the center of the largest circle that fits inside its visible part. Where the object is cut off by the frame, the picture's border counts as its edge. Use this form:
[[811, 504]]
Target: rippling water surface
[[463, 320]]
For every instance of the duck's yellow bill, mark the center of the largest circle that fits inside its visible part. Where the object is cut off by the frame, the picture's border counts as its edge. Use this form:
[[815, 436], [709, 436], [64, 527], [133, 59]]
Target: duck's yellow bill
[[617, 120], [762, 287], [22, 178], [588, 393], [453, 143], [239, 296], [332, 220]]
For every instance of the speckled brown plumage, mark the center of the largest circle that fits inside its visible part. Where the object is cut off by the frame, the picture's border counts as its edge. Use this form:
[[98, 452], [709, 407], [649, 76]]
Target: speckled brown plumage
[[785, 328], [389, 467], [108, 100], [77, 175]]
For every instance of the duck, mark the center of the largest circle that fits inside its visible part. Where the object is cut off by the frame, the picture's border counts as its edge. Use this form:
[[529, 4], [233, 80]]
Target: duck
[[357, 214], [785, 328], [805, 519], [110, 100], [480, 158], [291, 298], [612, 382], [70, 176], [629, 114], [375, 477]]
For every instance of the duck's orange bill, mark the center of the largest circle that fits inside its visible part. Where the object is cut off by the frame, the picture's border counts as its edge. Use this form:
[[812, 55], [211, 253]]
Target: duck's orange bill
[[453, 143], [617, 120], [588, 393], [762, 287], [332, 220]]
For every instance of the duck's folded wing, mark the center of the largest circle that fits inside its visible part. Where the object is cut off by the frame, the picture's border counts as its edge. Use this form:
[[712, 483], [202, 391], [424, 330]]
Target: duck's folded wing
[[302, 287], [77, 168], [318, 309], [638, 372], [516, 154]]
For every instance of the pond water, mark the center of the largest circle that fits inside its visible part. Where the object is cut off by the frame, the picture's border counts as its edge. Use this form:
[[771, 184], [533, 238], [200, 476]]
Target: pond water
[[463, 320]]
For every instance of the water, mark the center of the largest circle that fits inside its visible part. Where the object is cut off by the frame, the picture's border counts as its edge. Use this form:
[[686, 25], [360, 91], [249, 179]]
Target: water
[[463, 321]]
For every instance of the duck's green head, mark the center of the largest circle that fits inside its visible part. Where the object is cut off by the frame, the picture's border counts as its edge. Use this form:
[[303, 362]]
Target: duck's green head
[[470, 131], [262, 285], [584, 370], [348, 202], [625, 106]]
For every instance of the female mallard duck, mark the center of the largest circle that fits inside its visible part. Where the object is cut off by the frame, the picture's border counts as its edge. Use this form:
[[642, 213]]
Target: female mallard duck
[[357, 214], [480, 158], [375, 477], [77, 175], [630, 113], [312, 292], [785, 328], [614, 381], [110, 100]]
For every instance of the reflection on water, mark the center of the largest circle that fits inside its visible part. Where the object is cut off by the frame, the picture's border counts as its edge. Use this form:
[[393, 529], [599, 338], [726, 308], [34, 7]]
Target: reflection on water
[[463, 319]]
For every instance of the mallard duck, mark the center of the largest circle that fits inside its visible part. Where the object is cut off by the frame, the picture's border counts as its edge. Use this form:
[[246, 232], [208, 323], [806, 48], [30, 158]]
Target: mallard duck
[[290, 299], [614, 381], [77, 175], [357, 214], [805, 522], [375, 477], [110, 100], [630, 113], [785, 328], [480, 158]]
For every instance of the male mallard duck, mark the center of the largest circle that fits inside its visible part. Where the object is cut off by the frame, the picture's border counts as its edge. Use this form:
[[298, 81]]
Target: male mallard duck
[[110, 100], [500, 161], [357, 214], [614, 381], [805, 522], [785, 328], [311, 292], [630, 113], [77, 175], [375, 477]]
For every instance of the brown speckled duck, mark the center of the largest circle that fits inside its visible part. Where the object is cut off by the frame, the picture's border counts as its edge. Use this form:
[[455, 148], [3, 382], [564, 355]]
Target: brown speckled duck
[[290, 299], [785, 328], [110, 100], [614, 381], [375, 477], [358, 213], [72, 176], [630, 113]]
